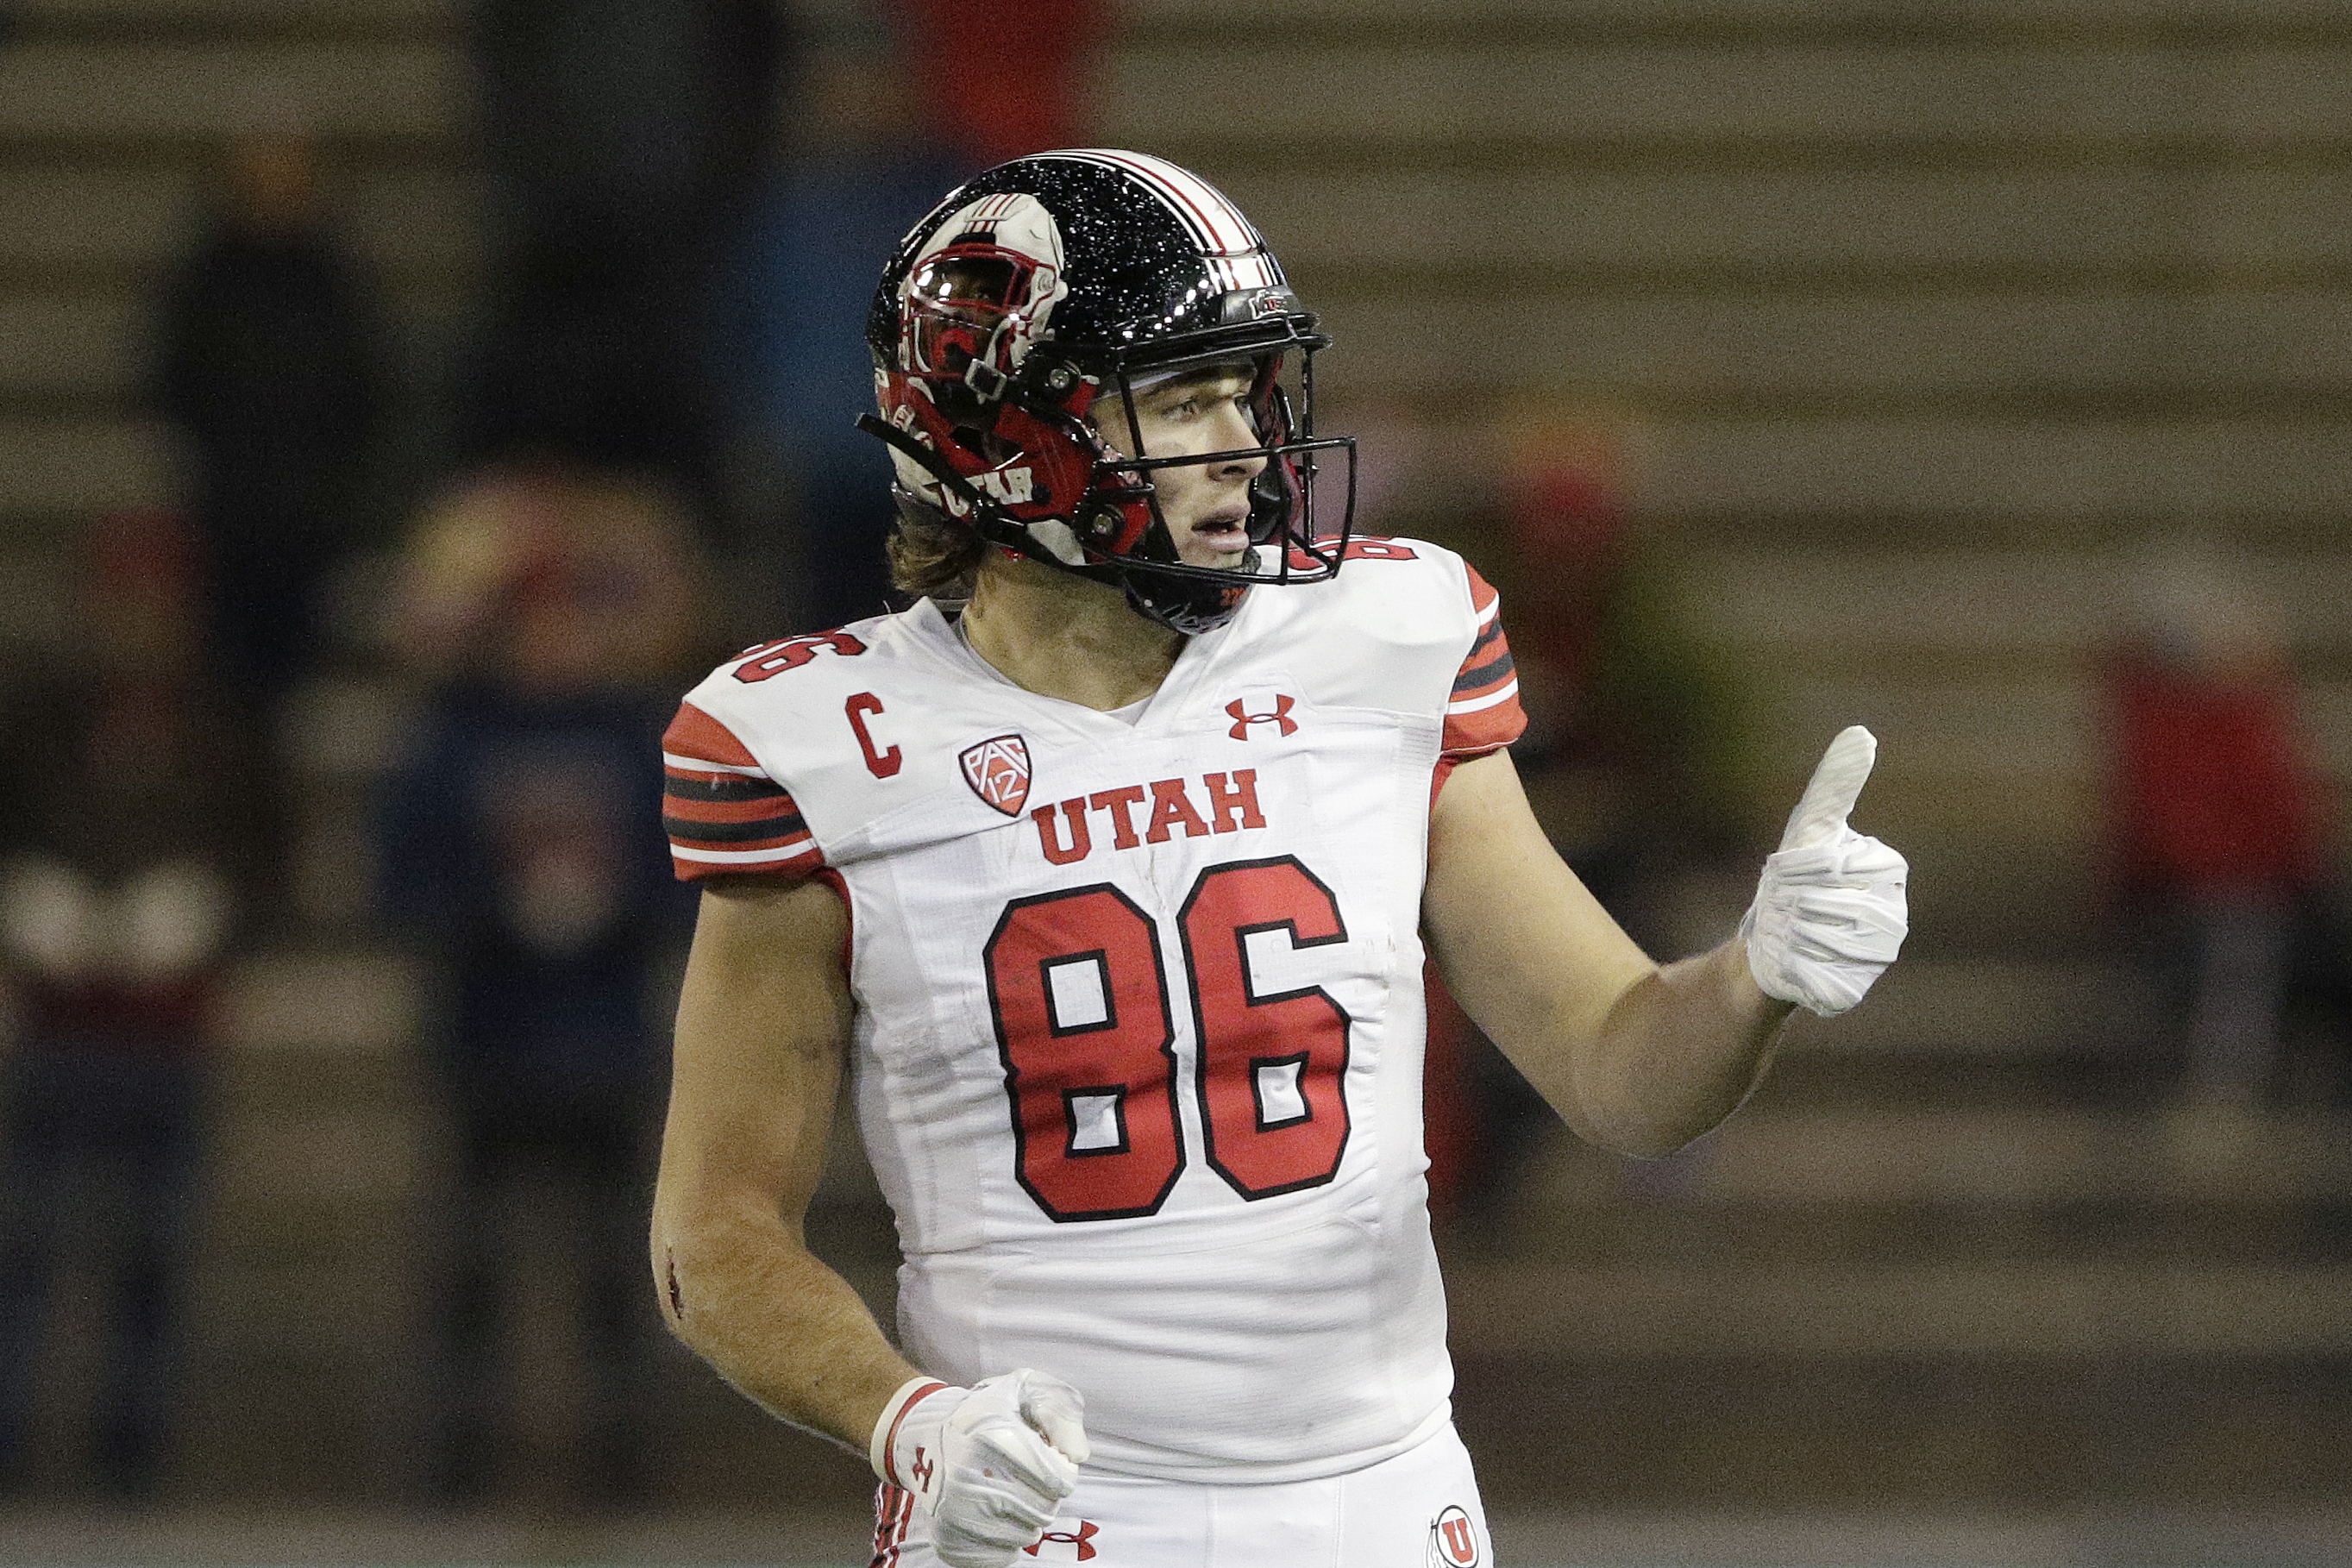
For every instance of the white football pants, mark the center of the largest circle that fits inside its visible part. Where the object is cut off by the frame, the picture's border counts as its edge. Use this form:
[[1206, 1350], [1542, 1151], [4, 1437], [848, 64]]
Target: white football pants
[[1419, 1509]]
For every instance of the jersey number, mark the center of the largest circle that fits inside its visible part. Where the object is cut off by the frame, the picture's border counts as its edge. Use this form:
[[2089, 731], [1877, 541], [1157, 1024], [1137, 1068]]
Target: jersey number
[[1082, 1004]]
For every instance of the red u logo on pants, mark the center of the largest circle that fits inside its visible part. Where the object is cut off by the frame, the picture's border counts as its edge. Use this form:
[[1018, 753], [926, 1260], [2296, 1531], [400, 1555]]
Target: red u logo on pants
[[1453, 1541]]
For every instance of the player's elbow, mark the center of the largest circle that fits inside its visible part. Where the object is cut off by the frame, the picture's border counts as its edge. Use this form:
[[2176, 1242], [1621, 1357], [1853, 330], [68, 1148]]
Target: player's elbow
[[1603, 1110], [1628, 1103], [1649, 1104], [690, 1253], [671, 1289], [709, 1256], [675, 1281]]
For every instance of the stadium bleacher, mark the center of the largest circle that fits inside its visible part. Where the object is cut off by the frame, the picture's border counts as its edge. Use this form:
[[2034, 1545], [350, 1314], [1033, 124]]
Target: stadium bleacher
[[1925, 314]]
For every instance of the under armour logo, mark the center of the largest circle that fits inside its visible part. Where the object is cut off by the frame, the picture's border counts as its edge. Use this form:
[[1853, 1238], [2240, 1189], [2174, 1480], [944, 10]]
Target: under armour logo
[[1081, 1537], [1243, 718], [921, 1469]]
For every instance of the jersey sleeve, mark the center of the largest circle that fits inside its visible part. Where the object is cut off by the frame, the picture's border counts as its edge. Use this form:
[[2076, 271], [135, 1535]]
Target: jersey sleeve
[[1483, 714], [724, 815]]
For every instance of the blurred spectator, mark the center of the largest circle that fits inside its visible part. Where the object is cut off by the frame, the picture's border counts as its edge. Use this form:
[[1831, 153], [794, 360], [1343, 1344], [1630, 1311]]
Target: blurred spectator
[[2217, 821], [553, 606], [622, 140], [268, 364], [1006, 79], [861, 172], [1635, 754], [1638, 741], [115, 912], [547, 575], [895, 105]]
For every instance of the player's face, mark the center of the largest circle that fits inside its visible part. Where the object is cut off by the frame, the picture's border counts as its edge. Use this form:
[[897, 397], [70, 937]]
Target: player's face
[[1207, 505]]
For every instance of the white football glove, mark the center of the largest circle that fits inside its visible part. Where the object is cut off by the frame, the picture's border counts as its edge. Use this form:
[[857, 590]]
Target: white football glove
[[1830, 913], [988, 1465]]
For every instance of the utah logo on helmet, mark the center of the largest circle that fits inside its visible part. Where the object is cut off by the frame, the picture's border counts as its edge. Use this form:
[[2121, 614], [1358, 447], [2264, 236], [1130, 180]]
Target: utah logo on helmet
[[1052, 281]]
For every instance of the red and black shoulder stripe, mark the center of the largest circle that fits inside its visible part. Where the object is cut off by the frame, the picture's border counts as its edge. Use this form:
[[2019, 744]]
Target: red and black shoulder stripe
[[1483, 712], [722, 811]]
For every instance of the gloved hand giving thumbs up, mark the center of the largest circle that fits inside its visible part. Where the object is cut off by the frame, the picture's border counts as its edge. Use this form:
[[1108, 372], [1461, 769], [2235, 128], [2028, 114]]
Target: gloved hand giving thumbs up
[[1830, 913]]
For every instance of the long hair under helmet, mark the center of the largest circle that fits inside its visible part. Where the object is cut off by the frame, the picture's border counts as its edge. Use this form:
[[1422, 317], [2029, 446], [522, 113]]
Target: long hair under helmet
[[1058, 279]]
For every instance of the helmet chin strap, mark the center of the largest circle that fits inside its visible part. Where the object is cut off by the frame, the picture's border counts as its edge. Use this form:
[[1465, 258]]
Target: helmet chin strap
[[986, 515], [988, 519], [1188, 604]]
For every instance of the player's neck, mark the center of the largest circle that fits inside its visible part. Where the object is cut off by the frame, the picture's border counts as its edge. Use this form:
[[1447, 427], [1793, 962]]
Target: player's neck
[[1063, 636]]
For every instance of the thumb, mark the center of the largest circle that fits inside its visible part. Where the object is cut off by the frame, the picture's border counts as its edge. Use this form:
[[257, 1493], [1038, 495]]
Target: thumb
[[1836, 783], [1056, 1411]]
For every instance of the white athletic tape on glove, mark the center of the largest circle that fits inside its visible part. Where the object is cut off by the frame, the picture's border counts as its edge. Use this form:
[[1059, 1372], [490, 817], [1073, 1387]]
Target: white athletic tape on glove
[[1830, 912], [988, 1465]]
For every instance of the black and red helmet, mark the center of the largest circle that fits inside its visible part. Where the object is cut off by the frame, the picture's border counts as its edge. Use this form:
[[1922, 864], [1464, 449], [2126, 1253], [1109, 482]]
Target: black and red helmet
[[1045, 283]]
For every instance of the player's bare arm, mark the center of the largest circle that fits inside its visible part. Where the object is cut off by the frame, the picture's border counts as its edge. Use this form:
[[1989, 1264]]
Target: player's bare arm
[[1637, 1056], [762, 1026]]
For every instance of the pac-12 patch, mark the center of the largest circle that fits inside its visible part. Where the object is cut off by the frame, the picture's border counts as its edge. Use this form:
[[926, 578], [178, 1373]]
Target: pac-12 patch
[[1453, 1541], [998, 771]]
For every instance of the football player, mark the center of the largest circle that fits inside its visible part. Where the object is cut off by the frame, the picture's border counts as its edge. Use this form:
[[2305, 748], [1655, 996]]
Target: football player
[[1104, 877]]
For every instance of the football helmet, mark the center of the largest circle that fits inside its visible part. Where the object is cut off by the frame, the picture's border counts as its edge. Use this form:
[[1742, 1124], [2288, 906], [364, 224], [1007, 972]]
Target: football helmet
[[1047, 284]]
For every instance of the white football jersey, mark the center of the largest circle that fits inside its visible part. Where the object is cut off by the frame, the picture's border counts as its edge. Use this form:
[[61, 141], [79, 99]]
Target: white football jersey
[[1137, 1043]]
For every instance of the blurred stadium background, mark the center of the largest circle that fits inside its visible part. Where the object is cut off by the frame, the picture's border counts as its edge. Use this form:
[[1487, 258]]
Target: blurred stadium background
[[1978, 370]]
